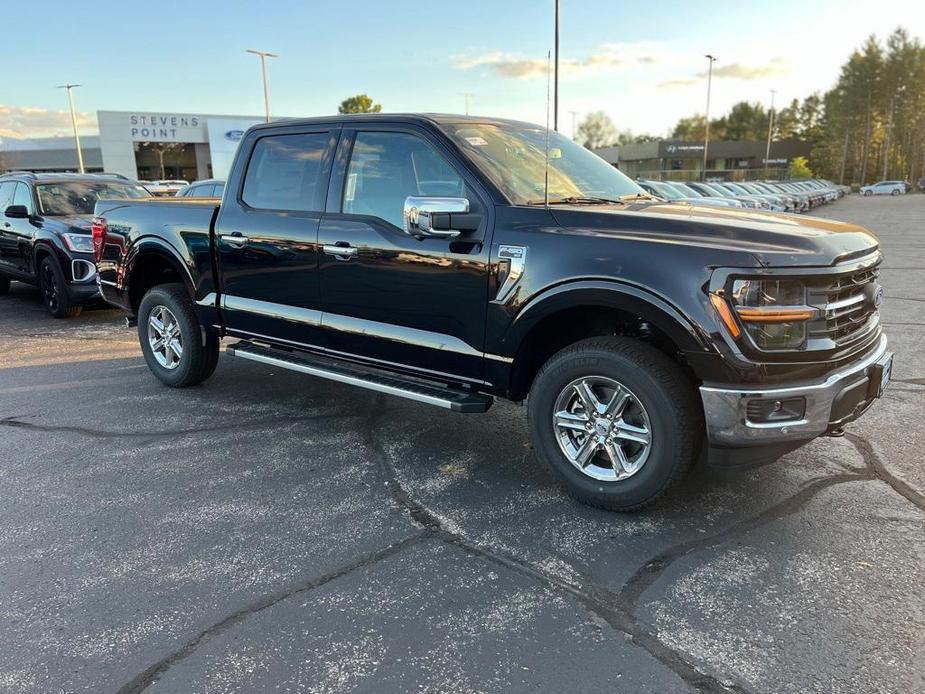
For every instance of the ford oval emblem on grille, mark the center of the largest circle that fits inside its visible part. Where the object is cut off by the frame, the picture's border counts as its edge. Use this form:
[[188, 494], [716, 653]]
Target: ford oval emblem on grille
[[234, 135]]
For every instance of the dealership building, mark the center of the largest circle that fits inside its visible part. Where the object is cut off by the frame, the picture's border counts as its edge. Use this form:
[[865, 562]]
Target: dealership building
[[138, 144], [683, 160]]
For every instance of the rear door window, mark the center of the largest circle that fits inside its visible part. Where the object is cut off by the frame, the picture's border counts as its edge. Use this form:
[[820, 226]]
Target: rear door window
[[284, 173]]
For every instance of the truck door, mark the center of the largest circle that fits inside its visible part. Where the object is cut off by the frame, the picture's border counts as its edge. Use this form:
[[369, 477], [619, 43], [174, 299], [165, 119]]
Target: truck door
[[388, 297], [266, 236]]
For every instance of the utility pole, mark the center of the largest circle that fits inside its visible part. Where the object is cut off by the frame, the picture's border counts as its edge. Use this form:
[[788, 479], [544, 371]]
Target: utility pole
[[466, 96], [767, 151], [263, 70], [706, 138], [555, 93], [574, 115], [70, 101]]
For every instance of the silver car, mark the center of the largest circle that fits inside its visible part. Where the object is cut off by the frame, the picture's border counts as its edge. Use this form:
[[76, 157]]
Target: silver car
[[884, 188]]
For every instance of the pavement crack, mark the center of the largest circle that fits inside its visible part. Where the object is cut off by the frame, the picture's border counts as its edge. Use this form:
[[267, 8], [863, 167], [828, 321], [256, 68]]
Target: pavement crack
[[18, 423], [647, 574], [151, 674], [873, 461], [596, 599]]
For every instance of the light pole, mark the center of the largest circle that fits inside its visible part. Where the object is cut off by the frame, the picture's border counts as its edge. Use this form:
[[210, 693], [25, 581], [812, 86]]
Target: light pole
[[574, 114], [555, 91], [263, 69], [767, 151], [706, 137], [70, 102], [466, 96]]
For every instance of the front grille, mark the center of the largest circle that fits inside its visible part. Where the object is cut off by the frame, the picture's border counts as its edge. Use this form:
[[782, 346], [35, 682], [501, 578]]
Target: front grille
[[849, 313]]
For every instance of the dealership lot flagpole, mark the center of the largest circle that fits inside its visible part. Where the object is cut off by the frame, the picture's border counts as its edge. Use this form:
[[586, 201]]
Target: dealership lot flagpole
[[263, 70], [70, 101], [706, 137]]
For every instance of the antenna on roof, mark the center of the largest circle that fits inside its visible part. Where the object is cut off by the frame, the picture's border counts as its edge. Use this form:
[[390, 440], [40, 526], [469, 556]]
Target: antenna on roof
[[546, 172]]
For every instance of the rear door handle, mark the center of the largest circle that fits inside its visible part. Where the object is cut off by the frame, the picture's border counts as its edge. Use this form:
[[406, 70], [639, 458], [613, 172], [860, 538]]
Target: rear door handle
[[236, 239], [344, 252]]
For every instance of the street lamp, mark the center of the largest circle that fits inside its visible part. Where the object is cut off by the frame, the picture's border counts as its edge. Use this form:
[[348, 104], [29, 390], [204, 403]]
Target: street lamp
[[767, 151], [706, 138], [263, 69], [70, 101]]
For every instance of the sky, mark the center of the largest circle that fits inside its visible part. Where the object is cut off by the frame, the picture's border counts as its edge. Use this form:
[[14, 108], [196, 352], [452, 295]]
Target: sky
[[641, 62]]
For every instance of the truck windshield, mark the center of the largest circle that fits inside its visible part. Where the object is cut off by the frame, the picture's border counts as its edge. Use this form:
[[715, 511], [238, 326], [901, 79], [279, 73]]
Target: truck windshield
[[79, 197], [513, 156]]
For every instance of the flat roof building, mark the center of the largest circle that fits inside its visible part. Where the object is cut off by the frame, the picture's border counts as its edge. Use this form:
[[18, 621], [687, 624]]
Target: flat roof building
[[683, 160], [138, 144]]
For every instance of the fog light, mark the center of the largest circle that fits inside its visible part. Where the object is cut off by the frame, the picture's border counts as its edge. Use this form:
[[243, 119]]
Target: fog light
[[768, 410]]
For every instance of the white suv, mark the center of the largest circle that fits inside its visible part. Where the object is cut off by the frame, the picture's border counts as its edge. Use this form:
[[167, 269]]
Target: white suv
[[885, 188]]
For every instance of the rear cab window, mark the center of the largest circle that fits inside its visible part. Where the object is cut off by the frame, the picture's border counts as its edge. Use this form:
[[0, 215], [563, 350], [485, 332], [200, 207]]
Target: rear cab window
[[285, 173]]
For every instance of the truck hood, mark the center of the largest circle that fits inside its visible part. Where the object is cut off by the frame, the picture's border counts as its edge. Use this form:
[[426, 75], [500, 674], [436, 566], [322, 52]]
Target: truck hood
[[771, 239]]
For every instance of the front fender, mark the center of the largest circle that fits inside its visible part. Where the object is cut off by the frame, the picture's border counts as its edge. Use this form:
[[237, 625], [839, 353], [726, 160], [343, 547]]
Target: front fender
[[685, 334]]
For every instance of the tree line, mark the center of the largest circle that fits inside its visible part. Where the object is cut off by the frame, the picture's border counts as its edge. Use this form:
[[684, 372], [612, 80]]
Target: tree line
[[869, 126]]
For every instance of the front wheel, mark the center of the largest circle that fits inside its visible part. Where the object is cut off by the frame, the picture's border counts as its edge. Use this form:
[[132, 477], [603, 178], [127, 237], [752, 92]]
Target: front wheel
[[174, 345], [54, 290], [868, 193], [616, 422]]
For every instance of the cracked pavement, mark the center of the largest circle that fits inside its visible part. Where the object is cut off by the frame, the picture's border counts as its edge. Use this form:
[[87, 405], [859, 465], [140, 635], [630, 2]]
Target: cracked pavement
[[273, 532]]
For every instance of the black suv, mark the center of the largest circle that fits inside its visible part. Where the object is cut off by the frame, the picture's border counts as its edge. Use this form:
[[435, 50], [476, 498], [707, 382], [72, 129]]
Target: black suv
[[45, 234]]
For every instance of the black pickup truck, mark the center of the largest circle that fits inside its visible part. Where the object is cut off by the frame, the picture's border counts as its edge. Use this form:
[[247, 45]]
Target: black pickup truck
[[452, 260]]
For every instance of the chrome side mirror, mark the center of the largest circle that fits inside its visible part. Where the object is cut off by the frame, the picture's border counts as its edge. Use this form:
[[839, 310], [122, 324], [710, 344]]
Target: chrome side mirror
[[419, 213]]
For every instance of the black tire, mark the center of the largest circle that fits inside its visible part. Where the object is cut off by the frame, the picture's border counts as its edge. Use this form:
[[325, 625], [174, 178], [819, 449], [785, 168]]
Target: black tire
[[4, 285], [54, 289], [868, 193], [669, 400], [894, 192], [198, 355]]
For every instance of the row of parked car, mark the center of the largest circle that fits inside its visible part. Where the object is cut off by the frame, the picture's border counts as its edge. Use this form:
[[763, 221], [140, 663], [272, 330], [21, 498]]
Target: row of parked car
[[774, 196]]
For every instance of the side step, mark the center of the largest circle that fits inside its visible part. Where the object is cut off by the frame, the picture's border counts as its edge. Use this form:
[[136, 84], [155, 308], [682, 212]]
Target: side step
[[449, 398]]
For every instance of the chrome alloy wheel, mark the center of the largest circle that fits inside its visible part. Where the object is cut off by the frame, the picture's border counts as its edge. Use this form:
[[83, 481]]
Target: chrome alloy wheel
[[602, 428], [164, 337]]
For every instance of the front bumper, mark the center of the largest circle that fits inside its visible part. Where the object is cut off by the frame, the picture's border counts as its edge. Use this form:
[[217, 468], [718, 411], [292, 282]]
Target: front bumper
[[838, 399]]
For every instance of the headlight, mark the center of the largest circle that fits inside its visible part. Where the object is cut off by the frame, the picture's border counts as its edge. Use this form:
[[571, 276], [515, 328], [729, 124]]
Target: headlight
[[773, 312], [82, 243]]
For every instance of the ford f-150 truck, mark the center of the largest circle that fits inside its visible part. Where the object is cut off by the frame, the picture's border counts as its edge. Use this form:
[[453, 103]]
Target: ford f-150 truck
[[452, 260]]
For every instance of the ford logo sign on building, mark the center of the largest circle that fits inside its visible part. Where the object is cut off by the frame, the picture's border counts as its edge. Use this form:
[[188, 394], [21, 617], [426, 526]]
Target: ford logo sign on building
[[234, 135]]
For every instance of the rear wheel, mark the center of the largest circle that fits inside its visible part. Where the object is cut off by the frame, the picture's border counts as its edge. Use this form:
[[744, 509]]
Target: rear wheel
[[894, 192], [616, 422], [54, 289], [174, 345]]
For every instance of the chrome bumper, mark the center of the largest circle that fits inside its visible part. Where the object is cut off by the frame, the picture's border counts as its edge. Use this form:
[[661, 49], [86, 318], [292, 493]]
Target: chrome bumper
[[725, 409]]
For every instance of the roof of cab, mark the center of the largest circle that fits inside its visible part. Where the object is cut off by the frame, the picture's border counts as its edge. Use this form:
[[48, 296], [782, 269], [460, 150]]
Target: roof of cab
[[437, 119]]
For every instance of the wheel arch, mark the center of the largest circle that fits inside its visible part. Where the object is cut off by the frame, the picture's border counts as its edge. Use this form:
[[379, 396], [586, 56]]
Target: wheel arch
[[152, 262], [574, 311]]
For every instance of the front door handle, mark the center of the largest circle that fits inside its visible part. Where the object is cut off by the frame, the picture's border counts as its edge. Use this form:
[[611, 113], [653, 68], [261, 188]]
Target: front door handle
[[236, 239], [344, 252]]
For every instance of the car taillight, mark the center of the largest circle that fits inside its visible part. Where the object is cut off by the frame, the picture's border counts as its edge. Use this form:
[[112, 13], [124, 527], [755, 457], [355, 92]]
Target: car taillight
[[99, 237]]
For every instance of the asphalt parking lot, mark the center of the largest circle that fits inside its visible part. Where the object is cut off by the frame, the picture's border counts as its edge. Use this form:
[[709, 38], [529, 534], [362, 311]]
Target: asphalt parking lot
[[272, 532]]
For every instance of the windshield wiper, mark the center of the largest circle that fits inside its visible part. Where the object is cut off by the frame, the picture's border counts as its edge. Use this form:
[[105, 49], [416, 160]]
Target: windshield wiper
[[637, 196], [578, 200]]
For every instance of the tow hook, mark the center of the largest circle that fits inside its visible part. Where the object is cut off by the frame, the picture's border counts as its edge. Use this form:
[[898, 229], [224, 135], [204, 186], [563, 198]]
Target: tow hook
[[835, 433], [131, 321]]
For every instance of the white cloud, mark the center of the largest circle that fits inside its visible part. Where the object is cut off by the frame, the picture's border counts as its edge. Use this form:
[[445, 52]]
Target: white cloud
[[775, 67], [24, 121], [609, 57]]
